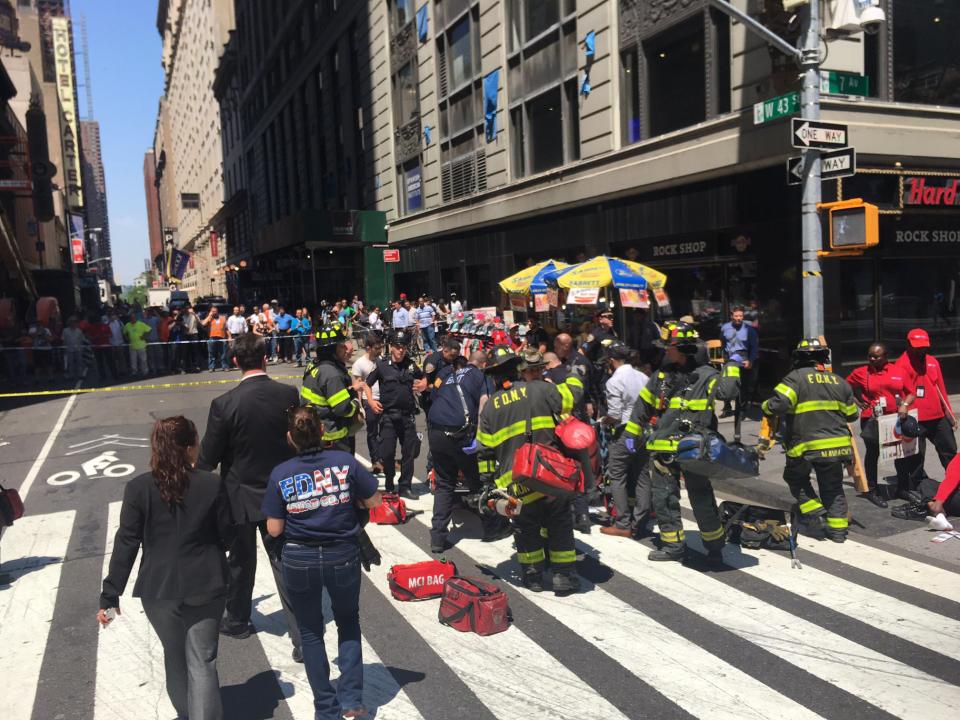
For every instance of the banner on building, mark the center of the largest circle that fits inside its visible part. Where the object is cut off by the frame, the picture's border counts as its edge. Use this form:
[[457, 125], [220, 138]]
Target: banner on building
[[177, 263], [634, 298], [77, 251], [583, 296], [63, 58], [213, 244], [541, 303]]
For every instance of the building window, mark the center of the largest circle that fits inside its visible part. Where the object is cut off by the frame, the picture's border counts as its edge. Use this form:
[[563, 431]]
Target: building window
[[630, 97], [926, 68], [676, 76], [406, 97], [542, 84], [402, 13], [528, 19], [461, 52]]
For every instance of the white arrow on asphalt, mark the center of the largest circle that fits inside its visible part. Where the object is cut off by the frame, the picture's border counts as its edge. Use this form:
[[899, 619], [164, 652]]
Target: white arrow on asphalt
[[807, 134]]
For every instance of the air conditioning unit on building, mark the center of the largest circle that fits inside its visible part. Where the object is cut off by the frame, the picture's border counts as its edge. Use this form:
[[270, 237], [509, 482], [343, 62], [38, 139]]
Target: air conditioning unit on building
[[853, 16]]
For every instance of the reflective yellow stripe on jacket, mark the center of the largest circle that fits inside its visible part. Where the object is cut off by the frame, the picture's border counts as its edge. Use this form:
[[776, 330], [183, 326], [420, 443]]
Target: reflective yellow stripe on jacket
[[683, 404], [338, 434], [311, 397], [632, 428], [663, 445], [648, 397], [829, 405], [822, 444], [492, 440], [788, 392], [523, 494]]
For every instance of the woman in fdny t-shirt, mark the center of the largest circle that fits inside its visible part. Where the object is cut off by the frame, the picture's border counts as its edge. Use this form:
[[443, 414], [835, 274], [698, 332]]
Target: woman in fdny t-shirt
[[312, 501]]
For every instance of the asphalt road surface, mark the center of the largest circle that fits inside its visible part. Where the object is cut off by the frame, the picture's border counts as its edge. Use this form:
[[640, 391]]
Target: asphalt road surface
[[865, 630]]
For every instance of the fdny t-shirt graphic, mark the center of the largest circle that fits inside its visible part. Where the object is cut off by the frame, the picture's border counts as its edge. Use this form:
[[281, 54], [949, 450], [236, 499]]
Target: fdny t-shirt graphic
[[326, 487]]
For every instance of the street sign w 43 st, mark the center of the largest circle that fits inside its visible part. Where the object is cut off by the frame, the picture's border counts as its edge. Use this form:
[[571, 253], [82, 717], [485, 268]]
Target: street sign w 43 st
[[775, 108]]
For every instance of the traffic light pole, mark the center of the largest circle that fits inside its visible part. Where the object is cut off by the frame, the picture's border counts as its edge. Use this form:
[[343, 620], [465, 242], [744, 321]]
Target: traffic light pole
[[808, 56]]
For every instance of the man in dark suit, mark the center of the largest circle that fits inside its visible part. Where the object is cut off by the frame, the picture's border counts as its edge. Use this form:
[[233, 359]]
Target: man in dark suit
[[247, 437]]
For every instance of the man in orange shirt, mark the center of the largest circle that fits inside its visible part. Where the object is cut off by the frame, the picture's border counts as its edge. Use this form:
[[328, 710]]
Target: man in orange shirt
[[216, 339], [927, 394]]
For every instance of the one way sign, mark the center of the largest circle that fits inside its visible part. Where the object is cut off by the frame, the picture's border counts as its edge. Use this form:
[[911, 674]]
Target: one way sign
[[836, 164], [816, 134]]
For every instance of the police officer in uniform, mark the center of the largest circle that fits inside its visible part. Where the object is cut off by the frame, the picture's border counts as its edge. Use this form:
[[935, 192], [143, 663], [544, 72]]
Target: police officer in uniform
[[399, 379], [452, 422], [681, 396], [437, 361], [513, 407], [817, 406], [327, 384]]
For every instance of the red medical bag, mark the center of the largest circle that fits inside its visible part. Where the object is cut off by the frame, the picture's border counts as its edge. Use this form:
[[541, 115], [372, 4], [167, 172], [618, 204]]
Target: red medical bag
[[392, 511], [420, 581], [474, 605], [545, 469]]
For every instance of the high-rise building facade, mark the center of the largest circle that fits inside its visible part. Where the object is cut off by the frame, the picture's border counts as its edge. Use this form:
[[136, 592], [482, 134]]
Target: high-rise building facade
[[187, 142], [527, 129], [95, 198], [154, 224]]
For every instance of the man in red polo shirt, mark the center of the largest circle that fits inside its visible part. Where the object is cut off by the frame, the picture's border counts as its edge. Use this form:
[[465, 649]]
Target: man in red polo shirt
[[927, 393]]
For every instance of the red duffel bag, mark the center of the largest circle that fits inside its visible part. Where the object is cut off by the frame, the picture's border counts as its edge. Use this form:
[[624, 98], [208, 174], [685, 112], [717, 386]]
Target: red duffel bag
[[391, 511], [545, 469], [420, 581], [473, 605]]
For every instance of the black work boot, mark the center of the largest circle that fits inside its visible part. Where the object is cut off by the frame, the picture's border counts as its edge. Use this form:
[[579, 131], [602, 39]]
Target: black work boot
[[582, 523], [715, 557], [565, 583], [533, 579], [837, 537], [664, 554]]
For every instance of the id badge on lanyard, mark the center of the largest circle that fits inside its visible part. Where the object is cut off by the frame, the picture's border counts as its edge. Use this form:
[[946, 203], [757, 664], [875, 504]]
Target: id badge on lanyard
[[921, 391]]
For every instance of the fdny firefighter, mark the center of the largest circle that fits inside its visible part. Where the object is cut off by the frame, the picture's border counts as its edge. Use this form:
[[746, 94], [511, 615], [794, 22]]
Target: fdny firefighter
[[677, 400], [817, 406], [327, 384], [399, 379], [514, 409]]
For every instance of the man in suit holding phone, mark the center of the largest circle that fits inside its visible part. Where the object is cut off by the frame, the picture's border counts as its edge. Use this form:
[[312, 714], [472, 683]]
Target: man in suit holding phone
[[247, 437]]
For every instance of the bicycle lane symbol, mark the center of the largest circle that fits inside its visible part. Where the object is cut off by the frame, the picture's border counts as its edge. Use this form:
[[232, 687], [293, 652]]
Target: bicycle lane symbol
[[104, 465]]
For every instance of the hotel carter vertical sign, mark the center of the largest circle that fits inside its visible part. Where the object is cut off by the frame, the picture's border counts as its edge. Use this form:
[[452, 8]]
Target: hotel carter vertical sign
[[63, 57]]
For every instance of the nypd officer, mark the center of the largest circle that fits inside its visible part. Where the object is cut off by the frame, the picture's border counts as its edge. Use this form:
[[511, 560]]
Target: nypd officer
[[818, 405], [399, 379], [462, 389], [513, 407], [681, 395], [327, 385]]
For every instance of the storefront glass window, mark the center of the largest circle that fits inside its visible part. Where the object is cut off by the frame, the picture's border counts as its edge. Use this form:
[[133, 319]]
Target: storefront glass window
[[921, 293], [857, 310], [926, 67], [697, 291]]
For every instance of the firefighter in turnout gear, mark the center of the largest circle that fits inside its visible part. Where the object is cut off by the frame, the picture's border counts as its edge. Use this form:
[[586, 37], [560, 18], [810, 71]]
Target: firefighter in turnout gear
[[678, 400], [513, 409], [327, 384], [816, 406]]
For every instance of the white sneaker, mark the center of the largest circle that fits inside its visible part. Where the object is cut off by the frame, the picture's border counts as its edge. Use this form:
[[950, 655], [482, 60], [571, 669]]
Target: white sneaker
[[939, 522]]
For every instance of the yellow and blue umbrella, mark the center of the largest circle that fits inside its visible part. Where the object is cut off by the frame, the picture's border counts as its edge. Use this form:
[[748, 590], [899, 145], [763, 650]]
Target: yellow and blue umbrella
[[654, 278], [602, 272], [530, 280]]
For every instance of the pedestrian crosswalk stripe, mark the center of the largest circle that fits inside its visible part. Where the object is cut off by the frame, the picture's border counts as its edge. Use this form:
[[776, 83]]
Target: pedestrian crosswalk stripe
[[546, 689], [380, 690], [35, 547], [890, 566], [128, 648], [695, 680], [889, 685], [895, 617]]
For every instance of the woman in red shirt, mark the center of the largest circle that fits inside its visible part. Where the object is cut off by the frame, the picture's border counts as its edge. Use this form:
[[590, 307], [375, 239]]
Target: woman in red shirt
[[946, 500], [878, 387]]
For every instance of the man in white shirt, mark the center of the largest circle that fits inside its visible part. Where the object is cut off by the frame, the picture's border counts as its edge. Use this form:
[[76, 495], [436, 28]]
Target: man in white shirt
[[373, 319], [455, 305], [362, 367], [401, 317], [625, 468], [236, 324]]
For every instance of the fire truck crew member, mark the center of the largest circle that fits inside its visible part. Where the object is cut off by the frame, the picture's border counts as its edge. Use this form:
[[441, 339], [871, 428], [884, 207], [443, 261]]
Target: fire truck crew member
[[817, 406], [452, 422], [681, 395], [327, 384], [513, 407], [399, 379]]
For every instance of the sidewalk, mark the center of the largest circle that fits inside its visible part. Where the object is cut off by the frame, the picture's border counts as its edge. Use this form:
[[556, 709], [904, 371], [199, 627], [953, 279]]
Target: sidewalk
[[769, 489]]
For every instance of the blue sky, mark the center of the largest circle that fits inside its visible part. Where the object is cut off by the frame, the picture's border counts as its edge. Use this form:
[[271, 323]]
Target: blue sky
[[127, 83]]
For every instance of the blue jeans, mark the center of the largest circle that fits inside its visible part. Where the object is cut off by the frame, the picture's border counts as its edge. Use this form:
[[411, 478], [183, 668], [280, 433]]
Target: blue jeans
[[429, 335], [298, 345], [216, 353], [306, 572]]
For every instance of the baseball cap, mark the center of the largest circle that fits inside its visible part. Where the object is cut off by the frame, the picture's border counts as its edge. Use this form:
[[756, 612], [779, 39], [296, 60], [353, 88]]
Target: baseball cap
[[918, 338], [605, 313]]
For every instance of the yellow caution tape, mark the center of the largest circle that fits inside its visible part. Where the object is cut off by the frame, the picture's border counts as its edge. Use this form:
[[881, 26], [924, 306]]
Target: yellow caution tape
[[123, 388]]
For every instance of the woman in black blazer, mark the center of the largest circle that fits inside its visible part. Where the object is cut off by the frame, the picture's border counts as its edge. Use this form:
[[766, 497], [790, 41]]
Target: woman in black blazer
[[181, 518]]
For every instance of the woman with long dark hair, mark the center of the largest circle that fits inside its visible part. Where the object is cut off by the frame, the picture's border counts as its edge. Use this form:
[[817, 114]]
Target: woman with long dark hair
[[312, 501], [181, 518]]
